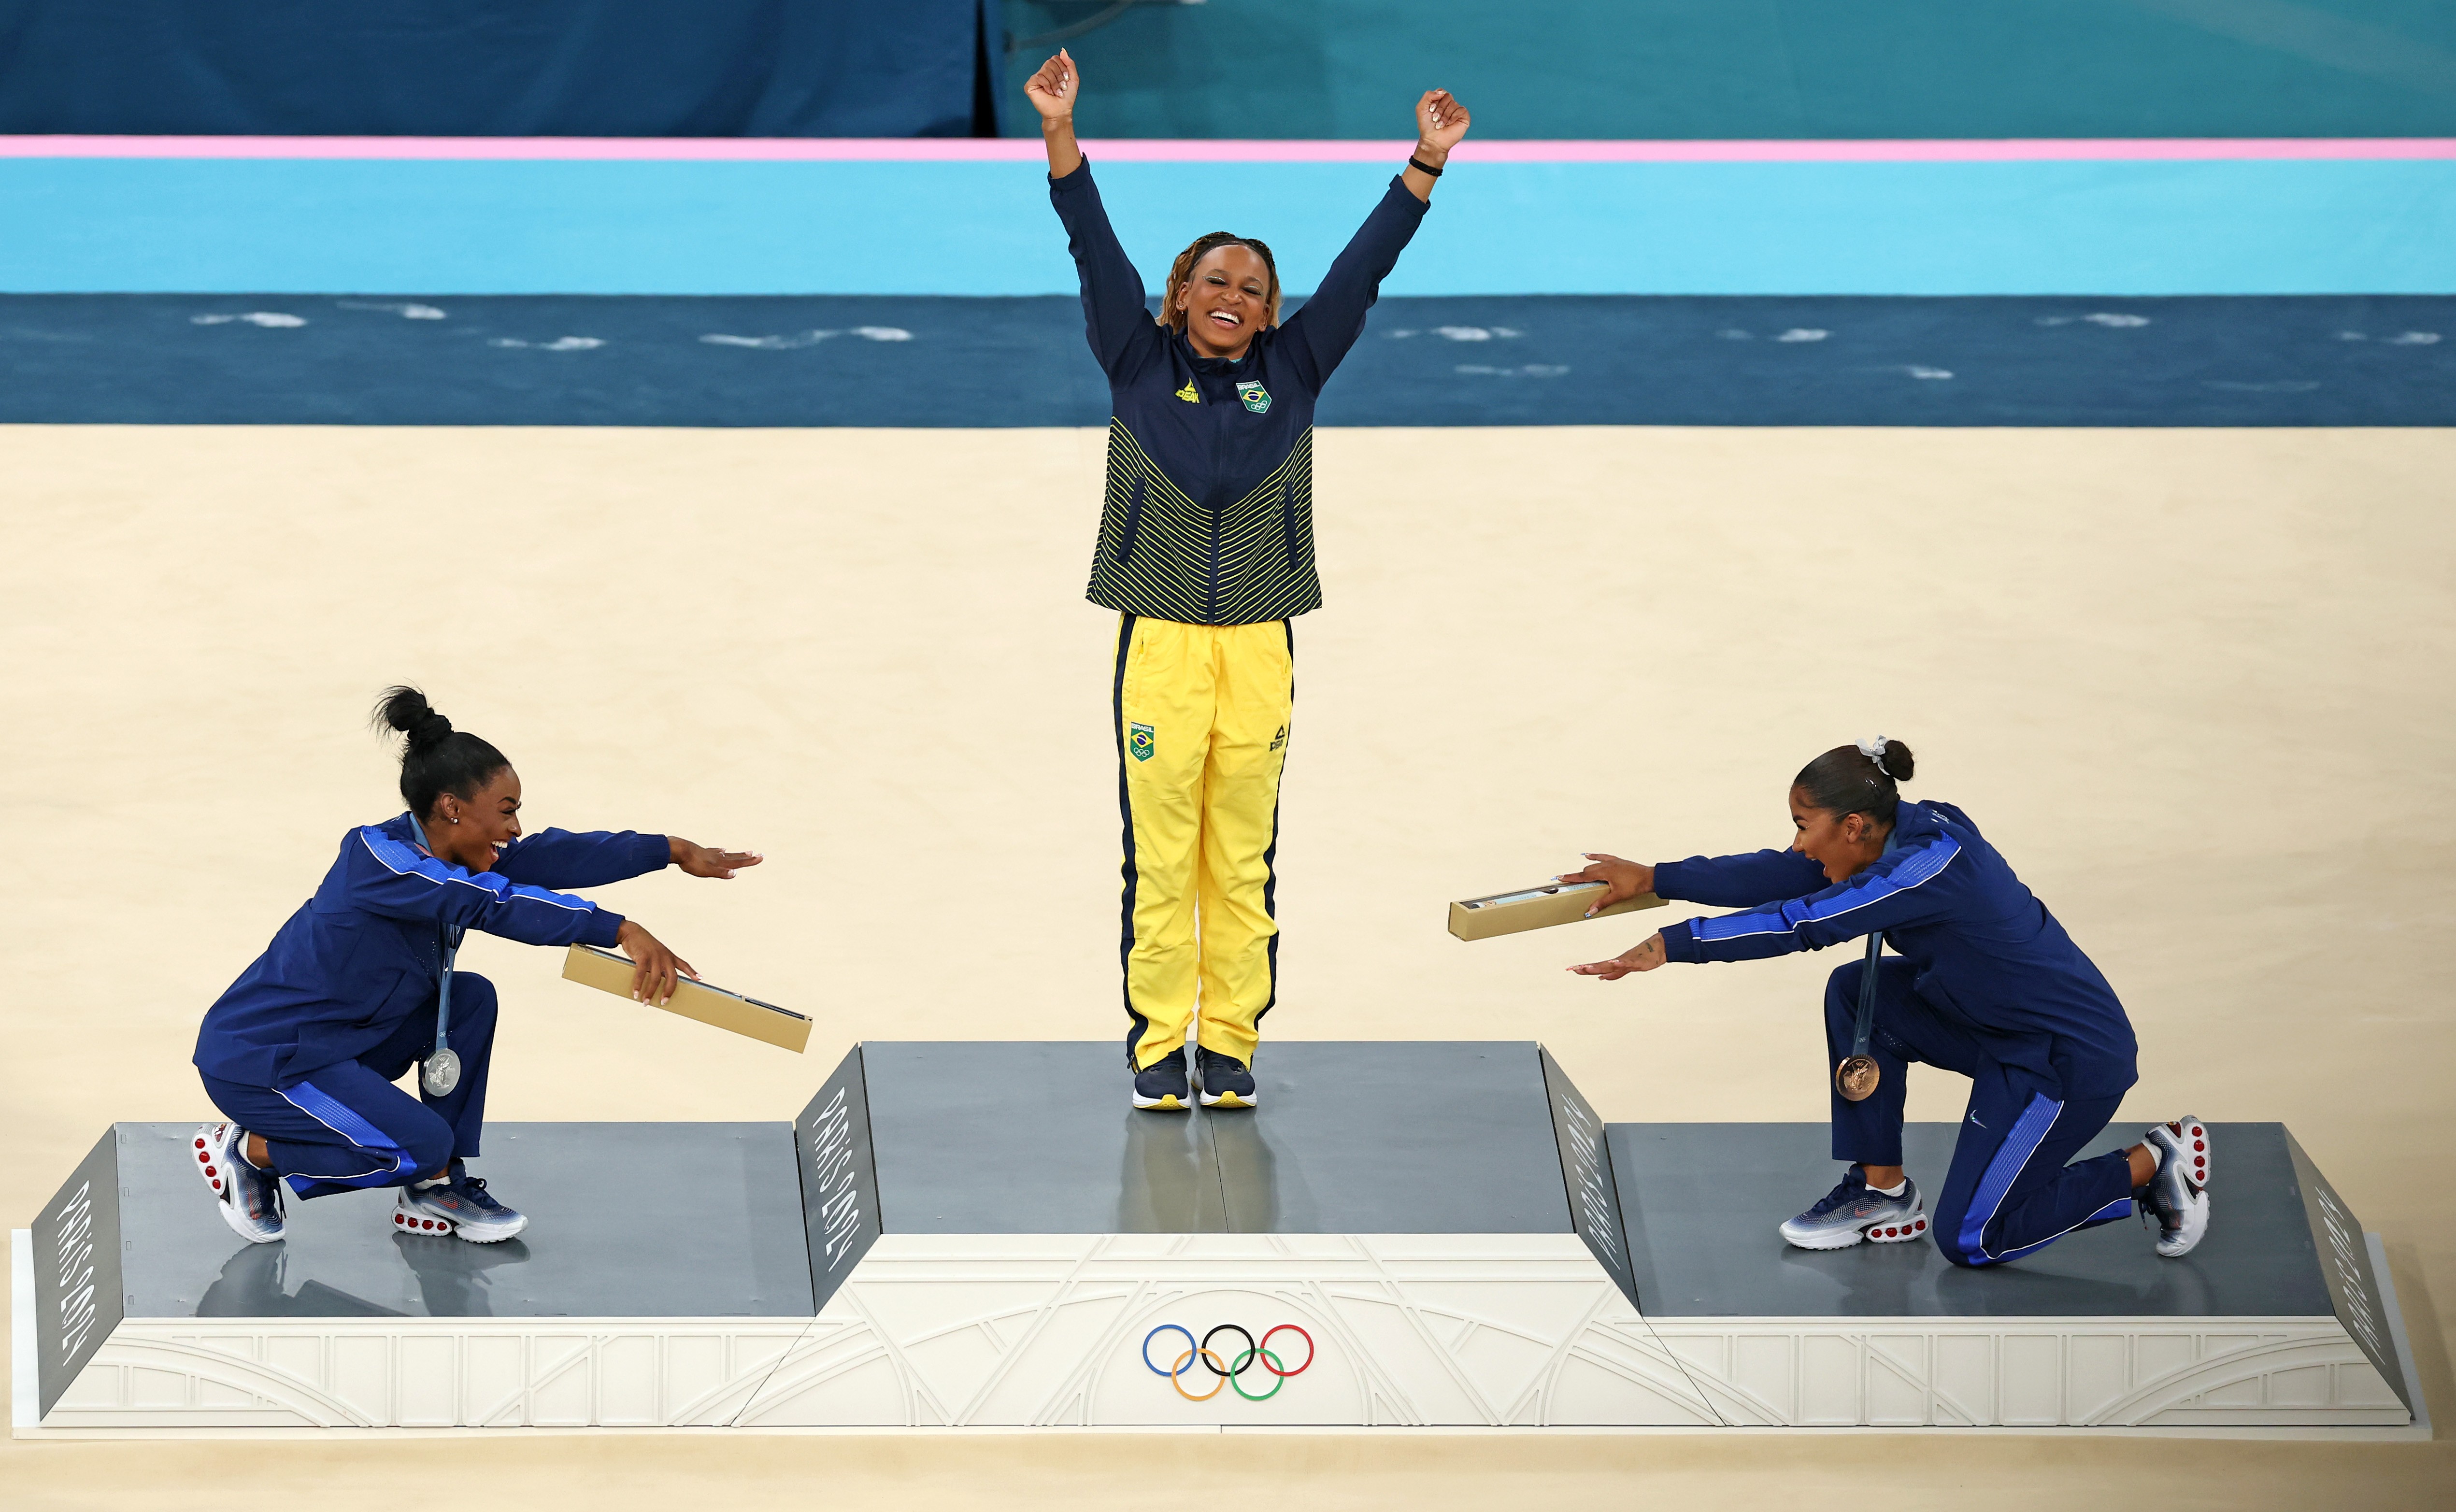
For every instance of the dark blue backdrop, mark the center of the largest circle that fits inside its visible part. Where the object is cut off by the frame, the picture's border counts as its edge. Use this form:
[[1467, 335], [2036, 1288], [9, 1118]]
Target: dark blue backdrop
[[488, 68], [564, 360]]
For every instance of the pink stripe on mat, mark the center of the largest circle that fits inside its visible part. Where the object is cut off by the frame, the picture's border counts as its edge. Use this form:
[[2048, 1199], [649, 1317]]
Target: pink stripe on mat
[[975, 149]]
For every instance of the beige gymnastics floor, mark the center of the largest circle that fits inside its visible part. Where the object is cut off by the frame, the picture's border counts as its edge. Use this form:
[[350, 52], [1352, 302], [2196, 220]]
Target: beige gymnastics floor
[[2195, 682]]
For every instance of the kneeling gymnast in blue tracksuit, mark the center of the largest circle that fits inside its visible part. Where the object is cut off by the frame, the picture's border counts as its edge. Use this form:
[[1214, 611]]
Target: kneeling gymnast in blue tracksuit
[[302, 1051], [1986, 984]]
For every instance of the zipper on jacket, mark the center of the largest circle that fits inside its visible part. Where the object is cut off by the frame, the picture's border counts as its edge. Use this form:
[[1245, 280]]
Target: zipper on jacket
[[1219, 513], [1211, 603]]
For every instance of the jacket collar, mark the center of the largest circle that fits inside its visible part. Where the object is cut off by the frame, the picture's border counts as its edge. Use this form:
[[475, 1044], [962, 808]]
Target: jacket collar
[[1215, 366]]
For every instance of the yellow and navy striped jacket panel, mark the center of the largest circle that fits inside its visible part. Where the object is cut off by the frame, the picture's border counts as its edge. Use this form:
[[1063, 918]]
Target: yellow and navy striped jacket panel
[[1208, 518], [1163, 556]]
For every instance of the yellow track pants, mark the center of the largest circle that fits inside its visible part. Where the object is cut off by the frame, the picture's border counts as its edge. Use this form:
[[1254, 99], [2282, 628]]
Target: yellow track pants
[[1202, 714]]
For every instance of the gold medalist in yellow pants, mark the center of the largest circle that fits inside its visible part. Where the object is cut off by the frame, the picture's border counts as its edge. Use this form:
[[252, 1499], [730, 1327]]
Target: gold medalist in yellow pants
[[1202, 714]]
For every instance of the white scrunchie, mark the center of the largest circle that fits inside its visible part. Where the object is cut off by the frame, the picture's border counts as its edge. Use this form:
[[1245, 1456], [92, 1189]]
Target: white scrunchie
[[1875, 750]]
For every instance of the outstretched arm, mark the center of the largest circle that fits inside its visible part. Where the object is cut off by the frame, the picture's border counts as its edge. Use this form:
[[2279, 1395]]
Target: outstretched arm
[[1440, 124], [1320, 335], [1051, 91], [1115, 320]]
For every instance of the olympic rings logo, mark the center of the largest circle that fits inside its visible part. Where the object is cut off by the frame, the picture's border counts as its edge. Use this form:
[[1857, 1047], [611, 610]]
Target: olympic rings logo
[[1227, 1375]]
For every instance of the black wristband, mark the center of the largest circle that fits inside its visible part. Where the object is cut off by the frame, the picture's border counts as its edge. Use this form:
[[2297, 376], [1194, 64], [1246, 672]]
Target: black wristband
[[1422, 167]]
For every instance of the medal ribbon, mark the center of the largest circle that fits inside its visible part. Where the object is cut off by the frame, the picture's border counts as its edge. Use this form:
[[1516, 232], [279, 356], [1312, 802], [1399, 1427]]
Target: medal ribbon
[[447, 941], [451, 947], [1864, 1027]]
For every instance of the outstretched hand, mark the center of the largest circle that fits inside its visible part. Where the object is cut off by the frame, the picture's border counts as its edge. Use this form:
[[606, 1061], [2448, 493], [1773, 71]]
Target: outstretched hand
[[1621, 879], [1644, 958], [1441, 122], [708, 861], [1053, 90]]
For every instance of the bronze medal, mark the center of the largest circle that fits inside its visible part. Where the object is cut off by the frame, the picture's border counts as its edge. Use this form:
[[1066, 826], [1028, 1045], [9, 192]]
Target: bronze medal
[[1858, 1073]]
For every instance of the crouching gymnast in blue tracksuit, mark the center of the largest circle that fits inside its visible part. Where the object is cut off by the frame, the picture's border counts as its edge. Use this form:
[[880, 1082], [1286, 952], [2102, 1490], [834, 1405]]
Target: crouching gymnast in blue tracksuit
[[302, 1051], [1986, 984]]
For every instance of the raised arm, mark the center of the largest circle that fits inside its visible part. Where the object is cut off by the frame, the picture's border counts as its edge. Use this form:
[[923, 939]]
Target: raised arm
[[1115, 320], [1051, 91], [1318, 335]]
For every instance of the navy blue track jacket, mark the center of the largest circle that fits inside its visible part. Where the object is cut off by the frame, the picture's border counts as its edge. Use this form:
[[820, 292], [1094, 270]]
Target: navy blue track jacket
[[1209, 513], [1984, 949], [367, 950]]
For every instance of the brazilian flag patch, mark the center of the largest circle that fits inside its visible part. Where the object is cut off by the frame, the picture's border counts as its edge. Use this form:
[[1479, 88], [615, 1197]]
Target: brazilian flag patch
[[1257, 398], [1138, 742]]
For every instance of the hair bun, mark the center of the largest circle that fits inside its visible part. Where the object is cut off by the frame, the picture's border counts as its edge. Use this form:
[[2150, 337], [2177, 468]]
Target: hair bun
[[405, 709]]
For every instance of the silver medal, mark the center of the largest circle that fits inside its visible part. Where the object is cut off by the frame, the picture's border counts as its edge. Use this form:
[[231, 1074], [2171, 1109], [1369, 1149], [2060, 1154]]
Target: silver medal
[[440, 1074]]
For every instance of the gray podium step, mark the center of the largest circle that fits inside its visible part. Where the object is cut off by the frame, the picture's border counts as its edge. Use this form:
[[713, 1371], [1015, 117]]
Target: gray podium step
[[740, 1255], [987, 1235], [2280, 1317], [1351, 1139], [1702, 1201]]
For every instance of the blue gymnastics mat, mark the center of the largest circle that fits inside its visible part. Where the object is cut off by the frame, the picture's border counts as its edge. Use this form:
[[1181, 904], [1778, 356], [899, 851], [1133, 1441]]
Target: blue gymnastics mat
[[985, 362]]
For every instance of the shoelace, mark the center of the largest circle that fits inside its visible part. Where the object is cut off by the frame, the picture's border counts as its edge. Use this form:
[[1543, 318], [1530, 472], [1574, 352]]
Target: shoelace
[[474, 1188], [1847, 1190]]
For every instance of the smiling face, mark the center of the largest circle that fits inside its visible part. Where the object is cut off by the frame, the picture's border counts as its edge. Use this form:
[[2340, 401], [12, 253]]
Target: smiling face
[[1844, 845], [472, 831], [1226, 299]]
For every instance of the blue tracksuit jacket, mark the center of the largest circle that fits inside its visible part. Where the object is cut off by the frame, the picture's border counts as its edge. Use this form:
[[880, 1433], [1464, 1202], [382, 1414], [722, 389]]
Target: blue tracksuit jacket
[[1982, 948], [367, 951], [1209, 512]]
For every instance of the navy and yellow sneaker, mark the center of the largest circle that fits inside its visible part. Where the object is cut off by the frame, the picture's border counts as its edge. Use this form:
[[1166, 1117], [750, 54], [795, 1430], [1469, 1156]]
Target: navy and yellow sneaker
[[1161, 1086], [1227, 1082]]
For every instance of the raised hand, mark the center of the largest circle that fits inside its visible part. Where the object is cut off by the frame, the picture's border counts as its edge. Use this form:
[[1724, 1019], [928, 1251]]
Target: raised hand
[[1441, 121], [1621, 879], [1053, 90]]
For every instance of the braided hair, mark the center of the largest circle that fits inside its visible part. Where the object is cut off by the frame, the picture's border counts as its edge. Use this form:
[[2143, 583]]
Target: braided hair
[[1180, 273]]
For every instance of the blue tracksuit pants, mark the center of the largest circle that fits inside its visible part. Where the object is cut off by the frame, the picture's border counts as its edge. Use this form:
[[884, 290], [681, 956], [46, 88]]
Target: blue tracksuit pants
[[2009, 1191], [346, 1126]]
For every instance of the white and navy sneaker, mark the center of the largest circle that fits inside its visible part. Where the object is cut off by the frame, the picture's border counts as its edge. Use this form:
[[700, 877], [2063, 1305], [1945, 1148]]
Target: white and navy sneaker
[[248, 1199], [1161, 1087], [1227, 1082], [1855, 1211], [2179, 1194], [458, 1206]]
